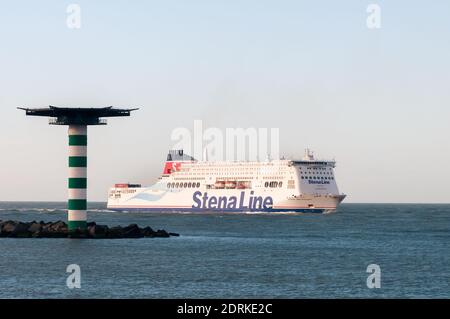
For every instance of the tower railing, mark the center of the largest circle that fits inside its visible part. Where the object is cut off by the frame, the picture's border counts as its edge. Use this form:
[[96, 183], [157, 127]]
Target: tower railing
[[56, 121]]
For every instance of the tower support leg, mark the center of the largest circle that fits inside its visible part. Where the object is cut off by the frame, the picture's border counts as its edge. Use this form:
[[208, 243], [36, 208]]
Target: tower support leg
[[77, 203]]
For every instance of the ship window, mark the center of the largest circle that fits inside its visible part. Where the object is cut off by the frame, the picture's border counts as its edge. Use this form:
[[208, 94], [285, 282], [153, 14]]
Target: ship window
[[168, 185], [280, 184], [189, 185], [198, 184], [185, 185], [266, 184], [177, 185]]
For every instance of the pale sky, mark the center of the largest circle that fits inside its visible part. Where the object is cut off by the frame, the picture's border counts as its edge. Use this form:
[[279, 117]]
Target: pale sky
[[377, 100]]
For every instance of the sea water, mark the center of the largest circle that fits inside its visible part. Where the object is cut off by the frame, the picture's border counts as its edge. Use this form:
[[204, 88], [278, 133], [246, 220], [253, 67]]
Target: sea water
[[236, 255]]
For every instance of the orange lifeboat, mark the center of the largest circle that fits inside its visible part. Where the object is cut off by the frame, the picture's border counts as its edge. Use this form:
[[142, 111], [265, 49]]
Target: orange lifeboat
[[230, 184], [241, 185], [219, 184]]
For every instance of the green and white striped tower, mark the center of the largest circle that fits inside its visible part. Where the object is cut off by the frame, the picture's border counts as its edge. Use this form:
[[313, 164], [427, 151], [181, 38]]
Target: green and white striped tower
[[77, 119], [77, 204]]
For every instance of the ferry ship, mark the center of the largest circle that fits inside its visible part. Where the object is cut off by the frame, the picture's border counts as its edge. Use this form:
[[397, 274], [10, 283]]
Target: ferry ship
[[188, 185]]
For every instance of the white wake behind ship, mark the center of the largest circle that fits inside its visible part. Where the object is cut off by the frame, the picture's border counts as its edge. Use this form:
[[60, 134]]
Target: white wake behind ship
[[187, 185]]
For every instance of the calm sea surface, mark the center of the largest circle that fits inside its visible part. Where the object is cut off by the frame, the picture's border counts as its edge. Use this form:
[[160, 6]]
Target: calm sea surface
[[237, 255]]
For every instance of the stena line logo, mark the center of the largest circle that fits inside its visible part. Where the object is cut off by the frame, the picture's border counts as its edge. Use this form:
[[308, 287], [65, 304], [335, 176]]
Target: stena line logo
[[203, 201], [318, 182]]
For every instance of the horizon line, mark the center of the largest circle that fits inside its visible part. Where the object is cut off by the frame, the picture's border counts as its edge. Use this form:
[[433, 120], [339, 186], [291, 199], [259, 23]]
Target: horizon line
[[374, 203]]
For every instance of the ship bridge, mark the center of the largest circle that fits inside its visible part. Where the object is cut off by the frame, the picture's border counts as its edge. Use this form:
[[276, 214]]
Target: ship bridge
[[309, 160], [315, 163]]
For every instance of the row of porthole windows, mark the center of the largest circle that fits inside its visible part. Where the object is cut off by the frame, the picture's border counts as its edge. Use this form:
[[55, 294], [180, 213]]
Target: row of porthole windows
[[183, 185], [317, 177], [273, 184], [326, 173]]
